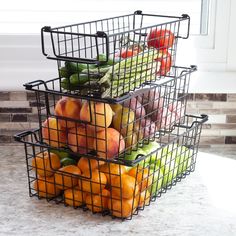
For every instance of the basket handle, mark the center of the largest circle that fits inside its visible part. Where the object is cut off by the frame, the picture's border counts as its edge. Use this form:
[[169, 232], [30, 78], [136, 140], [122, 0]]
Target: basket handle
[[20, 136], [30, 85], [186, 17], [99, 34]]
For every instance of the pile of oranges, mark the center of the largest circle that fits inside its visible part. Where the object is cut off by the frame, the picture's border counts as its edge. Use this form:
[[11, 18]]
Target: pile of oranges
[[97, 185]]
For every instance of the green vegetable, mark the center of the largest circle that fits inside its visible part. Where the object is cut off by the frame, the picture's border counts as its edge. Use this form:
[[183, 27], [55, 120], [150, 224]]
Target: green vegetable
[[77, 79], [63, 72], [73, 67], [98, 70], [60, 154], [102, 58], [142, 58], [65, 84], [67, 161], [130, 73]]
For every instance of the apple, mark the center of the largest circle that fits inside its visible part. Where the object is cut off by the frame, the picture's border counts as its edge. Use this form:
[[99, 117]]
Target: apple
[[185, 158], [157, 180], [133, 155], [169, 163], [151, 149]]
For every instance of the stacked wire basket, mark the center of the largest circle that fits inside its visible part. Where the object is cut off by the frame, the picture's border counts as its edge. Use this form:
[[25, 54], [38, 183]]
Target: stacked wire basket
[[113, 131]]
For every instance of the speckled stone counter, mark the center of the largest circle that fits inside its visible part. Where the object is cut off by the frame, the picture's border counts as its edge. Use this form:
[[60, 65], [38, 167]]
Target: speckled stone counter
[[202, 204]]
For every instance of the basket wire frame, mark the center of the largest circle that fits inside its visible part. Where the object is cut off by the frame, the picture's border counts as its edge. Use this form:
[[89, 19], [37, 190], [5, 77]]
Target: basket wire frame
[[148, 178], [133, 141], [136, 120], [81, 45]]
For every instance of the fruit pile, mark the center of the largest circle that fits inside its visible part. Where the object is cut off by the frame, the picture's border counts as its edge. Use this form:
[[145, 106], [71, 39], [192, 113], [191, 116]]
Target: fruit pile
[[109, 187], [110, 130]]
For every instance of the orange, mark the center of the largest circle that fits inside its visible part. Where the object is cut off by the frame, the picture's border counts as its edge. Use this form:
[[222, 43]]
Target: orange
[[45, 164], [142, 175], [124, 186], [86, 164], [143, 198], [112, 170], [122, 207], [98, 203], [95, 182], [46, 187], [64, 177], [74, 197]]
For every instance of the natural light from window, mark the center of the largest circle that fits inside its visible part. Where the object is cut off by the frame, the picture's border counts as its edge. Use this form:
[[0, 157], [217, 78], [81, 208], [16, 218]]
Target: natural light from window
[[28, 17]]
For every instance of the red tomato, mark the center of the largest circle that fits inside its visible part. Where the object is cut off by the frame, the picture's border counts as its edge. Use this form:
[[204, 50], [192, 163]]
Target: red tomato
[[161, 39], [166, 61], [128, 53]]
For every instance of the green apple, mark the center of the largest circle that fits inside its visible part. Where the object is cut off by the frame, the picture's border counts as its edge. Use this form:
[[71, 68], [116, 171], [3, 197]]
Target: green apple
[[134, 154], [185, 159], [157, 180], [168, 163], [152, 147]]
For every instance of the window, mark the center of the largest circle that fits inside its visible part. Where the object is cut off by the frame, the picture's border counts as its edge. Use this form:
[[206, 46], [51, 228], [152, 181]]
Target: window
[[27, 17], [211, 45]]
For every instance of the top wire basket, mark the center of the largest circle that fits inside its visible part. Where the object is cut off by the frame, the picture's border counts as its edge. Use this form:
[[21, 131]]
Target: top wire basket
[[111, 57]]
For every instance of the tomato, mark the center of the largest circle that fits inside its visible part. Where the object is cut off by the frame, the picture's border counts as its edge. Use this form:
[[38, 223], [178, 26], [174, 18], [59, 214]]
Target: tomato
[[166, 61], [128, 53], [161, 39]]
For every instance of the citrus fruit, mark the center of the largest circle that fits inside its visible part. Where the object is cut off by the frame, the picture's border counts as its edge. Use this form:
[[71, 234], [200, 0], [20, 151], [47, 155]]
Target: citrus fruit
[[124, 186], [142, 175], [98, 203], [112, 170], [122, 208], [94, 182], [64, 177], [45, 163], [86, 164], [46, 187], [74, 197], [143, 198]]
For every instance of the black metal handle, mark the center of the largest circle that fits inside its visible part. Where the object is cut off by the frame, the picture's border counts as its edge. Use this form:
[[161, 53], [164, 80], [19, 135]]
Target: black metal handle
[[30, 85], [202, 119], [99, 34], [44, 29], [20, 136], [186, 17]]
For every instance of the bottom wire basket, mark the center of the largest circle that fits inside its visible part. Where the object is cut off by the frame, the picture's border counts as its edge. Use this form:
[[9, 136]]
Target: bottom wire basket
[[119, 189]]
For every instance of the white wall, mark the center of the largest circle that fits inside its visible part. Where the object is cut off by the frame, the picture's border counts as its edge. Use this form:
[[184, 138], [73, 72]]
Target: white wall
[[21, 59]]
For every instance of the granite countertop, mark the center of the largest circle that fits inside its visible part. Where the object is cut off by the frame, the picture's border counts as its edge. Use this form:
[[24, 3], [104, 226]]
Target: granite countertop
[[202, 204]]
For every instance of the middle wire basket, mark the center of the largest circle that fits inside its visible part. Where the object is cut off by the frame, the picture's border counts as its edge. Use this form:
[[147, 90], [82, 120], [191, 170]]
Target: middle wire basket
[[110, 130]]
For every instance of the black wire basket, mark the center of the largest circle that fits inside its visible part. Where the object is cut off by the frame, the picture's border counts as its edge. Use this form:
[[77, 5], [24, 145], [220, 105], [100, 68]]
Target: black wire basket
[[120, 189], [110, 57], [113, 131], [88, 126]]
